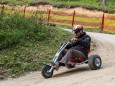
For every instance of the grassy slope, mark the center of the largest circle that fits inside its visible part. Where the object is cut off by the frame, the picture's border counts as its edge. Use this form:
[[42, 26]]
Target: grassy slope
[[84, 3], [24, 44], [90, 4], [30, 55], [77, 19]]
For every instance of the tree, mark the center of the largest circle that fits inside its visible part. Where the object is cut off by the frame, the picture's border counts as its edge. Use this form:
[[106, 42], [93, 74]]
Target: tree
[[104, 2]]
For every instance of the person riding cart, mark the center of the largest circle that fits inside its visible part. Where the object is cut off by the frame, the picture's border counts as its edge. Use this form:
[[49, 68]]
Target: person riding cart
[[72, 53], [78, 49]]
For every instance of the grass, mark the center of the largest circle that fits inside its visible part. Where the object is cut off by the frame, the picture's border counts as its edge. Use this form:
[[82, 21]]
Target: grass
[[89, 4], [78, 19], [29, 56], [85, 19], [16, 2], [26, 43]]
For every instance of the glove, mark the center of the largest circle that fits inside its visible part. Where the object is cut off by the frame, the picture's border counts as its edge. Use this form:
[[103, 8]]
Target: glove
[[74, 40]]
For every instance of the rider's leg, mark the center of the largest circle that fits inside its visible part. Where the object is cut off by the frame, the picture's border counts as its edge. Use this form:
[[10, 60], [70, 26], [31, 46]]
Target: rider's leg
[[57, 64], [62, 54], [72, 53]]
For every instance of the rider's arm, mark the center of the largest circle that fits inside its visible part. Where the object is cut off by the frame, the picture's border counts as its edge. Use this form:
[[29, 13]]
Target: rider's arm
[[69, 46], [84, 42]]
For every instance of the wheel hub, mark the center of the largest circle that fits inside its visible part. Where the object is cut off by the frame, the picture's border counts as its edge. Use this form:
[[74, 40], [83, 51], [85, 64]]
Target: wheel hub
[[97, 62]]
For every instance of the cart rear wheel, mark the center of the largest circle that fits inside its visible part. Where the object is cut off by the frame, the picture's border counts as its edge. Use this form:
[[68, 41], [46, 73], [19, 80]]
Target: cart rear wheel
[[94, 62]]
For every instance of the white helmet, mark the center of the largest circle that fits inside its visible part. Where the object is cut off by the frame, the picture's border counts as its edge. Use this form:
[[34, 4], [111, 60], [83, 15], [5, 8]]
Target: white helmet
[[78, 28]]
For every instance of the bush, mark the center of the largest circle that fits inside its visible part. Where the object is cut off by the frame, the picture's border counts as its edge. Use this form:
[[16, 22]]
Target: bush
[[30, 44], [15, 29]]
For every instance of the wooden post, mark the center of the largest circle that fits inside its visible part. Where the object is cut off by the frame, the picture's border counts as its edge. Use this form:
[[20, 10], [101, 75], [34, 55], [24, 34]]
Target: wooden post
[[24, 11], [49, 12], [102, 24], [3, 7], [73, 18]]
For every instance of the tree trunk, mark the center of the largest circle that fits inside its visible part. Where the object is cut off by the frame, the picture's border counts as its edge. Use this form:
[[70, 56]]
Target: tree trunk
[[104, 2]]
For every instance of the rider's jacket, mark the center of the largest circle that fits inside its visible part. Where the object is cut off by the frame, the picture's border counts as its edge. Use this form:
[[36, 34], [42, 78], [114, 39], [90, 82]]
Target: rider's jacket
[[83, 44]]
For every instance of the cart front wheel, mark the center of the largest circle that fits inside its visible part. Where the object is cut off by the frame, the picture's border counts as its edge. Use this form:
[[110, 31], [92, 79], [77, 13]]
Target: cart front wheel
[[46, 73]]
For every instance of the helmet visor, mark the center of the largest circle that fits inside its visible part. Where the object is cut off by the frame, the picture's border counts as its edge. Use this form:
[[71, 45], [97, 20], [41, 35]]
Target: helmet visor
[[76, 31]]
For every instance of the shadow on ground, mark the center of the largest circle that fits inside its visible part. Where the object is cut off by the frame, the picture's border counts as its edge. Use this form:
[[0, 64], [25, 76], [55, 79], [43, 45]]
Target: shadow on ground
[[71, 71]]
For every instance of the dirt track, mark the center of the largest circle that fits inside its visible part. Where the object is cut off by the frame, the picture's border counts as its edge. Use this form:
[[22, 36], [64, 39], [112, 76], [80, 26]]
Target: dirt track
[[81, 75]]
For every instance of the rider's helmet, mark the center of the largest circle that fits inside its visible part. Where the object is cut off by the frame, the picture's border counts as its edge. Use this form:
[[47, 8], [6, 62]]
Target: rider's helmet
[[77, 28]]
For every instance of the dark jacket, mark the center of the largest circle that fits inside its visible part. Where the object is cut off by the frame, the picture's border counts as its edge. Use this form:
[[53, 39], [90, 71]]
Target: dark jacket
[[83, 44]]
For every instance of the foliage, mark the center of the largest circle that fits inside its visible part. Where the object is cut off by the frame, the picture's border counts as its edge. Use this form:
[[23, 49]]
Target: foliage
[[26, 43], [89, 4], [15, 29]]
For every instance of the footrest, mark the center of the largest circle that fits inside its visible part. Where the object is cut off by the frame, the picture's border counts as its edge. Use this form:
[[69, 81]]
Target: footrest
[[48, 64]]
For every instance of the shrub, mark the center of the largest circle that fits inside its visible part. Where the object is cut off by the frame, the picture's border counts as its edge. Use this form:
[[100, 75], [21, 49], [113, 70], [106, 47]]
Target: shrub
[[15, 29]]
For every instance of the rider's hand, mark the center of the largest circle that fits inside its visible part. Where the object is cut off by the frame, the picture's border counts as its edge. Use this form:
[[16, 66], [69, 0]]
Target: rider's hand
[[74, 40]]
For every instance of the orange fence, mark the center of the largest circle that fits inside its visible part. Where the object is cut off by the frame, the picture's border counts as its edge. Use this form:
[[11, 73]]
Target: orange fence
[[104, 22]]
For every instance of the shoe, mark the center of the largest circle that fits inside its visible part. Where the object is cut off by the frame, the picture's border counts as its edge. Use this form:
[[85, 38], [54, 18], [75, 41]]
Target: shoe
[[55, 65], [71, 63]]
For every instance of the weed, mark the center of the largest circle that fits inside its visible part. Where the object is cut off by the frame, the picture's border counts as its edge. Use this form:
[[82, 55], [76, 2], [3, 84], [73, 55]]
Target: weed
[[25, 43]]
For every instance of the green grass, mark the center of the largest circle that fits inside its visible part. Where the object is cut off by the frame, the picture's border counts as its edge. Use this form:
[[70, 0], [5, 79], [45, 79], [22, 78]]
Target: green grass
[[26, 43], [30, 55], [16, 2], [84, 19], [14, 29], [59, 17], [89, 4]]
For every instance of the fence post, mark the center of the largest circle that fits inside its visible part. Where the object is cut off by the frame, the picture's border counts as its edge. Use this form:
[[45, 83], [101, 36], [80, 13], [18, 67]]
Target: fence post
[[3, 7], [102, 24], [24, 11], [73, 18], [49, 12]]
